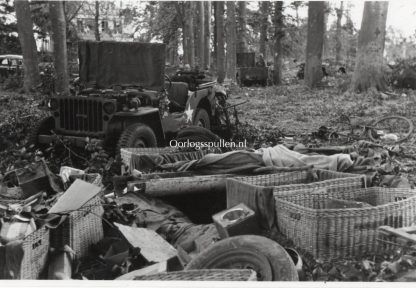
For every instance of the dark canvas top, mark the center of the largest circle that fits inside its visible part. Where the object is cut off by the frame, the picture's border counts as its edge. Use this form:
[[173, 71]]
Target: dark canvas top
[[246, 59], [124, 63]]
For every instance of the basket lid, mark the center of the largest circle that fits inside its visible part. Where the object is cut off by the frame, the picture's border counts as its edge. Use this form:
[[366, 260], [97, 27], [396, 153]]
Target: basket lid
[[79, 193]]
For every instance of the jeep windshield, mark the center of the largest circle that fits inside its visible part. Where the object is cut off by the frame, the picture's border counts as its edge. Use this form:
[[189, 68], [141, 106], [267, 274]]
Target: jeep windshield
[[106, 64]]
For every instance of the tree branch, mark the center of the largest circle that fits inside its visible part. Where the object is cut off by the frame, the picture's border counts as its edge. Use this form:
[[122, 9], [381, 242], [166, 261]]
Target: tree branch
[[76, 12]]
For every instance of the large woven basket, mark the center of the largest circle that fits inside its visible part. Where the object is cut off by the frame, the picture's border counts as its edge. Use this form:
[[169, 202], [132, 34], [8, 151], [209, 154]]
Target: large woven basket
[[257, 192], [35, 247], [81, 229], [333, 233], [169, 154], [204, 275]]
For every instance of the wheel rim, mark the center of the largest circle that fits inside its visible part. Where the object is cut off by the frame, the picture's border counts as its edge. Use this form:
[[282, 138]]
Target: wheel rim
[[201, 123], [397, 125], [139, 143], [243, 259]]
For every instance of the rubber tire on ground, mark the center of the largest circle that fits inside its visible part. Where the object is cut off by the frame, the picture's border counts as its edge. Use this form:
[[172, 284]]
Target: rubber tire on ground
[[134, 132], [44, 126], [202, 114], [407, 135], [265, 256]]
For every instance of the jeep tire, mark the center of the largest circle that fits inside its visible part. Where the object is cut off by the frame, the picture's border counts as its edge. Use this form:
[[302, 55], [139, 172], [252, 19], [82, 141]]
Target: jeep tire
[[137, 136], [270, 260], [44, 126], [202, 118]]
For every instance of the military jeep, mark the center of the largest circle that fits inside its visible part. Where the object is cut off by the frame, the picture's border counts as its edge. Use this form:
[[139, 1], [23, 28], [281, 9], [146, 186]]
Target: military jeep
[[249, 72], [125, 100]]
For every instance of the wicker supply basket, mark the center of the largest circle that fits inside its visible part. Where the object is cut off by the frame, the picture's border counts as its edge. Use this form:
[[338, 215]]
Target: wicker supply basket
[[81, 229], [169, 154], [203, 275], [35, 248], [257, 192], [330, 233]]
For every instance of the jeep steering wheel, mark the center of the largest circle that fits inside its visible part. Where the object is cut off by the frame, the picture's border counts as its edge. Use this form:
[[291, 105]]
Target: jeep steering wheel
[[170, 81]]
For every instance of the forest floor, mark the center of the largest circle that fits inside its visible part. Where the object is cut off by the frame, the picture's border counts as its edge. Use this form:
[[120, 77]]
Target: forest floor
[[295, 109]]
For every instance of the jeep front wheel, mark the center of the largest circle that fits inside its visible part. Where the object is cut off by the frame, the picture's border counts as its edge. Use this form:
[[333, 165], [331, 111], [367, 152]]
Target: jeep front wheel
[[202, 119], [137, 136]]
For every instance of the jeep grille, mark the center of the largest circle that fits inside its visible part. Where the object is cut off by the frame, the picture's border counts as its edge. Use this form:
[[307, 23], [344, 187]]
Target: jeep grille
[[83, 115]]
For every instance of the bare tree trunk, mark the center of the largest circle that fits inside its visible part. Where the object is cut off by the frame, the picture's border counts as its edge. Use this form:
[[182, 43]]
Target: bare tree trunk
[[325, 49], [27, 41], [175, 48], [219, 17], [215, 44], [97, 21], [189, 23], [338, 45], [297, 4], [242, 27], [369, 62], [182, 10], [59, 46], [264, 9], [231, 41], [278, 35], [200, 34], [207, 25], [314, 44]]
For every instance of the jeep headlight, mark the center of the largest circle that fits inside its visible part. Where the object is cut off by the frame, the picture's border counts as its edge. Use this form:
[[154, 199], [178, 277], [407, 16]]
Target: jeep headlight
[[109, 108], [53, 104]]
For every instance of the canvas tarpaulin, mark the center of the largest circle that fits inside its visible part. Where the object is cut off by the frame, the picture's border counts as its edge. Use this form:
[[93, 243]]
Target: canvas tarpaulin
[[108, 63]]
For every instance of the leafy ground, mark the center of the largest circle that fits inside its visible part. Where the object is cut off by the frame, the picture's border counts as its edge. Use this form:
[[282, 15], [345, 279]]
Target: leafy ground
[[295, 109]]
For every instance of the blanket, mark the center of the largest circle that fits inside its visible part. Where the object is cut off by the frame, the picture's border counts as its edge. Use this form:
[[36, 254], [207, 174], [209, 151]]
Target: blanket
[[278, 156]]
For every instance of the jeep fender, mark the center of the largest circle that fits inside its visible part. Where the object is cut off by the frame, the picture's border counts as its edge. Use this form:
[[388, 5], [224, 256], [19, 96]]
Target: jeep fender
[[145, 115], [199, 98], [220, 90]]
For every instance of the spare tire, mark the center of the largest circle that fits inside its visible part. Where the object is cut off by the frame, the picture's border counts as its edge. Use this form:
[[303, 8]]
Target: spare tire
[[270, 260]]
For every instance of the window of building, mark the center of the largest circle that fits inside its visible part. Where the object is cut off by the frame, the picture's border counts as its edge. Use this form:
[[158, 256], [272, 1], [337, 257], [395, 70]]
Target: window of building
[[104, 25], [80, 25]]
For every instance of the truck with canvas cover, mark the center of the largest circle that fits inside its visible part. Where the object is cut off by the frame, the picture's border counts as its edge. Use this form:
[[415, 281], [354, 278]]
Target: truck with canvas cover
[[125, 100]]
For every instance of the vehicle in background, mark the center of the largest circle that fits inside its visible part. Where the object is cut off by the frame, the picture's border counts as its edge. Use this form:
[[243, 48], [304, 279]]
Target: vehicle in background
[[10, 65], [251, 72]]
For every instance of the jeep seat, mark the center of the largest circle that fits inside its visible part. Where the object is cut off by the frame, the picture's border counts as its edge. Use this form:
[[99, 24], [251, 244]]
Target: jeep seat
[[178, 94]]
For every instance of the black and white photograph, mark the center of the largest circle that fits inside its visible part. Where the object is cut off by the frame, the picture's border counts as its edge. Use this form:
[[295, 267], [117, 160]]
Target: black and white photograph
[[163, 142]]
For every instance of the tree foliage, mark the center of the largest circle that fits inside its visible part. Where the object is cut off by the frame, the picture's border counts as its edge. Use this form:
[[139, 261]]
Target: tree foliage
[[9, 42]]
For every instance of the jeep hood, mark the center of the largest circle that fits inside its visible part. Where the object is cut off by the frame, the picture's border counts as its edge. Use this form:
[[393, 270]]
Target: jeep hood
[[107, 63]]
